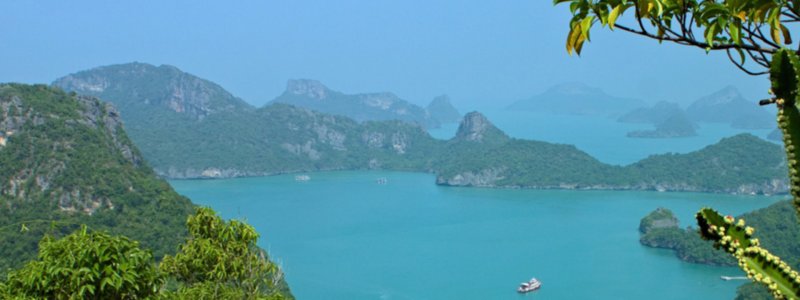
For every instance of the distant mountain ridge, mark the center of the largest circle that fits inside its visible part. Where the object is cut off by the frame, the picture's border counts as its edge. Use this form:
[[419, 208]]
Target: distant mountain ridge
[[163, 86], [729, 106], [577, 99], [314, 95], [724, 106], [281, 138]]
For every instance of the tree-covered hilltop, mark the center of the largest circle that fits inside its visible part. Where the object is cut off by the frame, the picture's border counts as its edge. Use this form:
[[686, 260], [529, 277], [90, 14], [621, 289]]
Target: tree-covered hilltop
[[659, 229], [777, 226], [230, 139], [739, 164], [67, 161], [778, 229], [507, 162]]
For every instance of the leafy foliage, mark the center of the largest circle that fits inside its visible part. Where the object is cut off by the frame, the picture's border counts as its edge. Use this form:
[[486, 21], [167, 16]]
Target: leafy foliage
[[221, 260], [70, 163], [86, 265], [733, 26], [730, 26]]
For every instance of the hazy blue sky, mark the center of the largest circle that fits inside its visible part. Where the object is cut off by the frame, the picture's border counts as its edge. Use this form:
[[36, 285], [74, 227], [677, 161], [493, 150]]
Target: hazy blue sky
[[475, 51]]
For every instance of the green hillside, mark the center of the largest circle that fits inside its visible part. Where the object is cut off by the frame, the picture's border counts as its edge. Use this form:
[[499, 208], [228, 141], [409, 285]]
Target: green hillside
[[189, 127], [66, 161]]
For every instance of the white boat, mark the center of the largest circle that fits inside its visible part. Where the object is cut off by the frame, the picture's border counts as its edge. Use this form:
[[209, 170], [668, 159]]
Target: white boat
[[530, 286], [382, 180], [302, 178]]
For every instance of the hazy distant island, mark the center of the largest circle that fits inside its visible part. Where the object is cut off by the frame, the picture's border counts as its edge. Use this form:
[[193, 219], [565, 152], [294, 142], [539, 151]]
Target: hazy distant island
[[385, 106], [775, 135], [724, 106], [675, 126], [576, 99], [440, 109], [669, 120], [654, 114], [189, 127], [729, 106]]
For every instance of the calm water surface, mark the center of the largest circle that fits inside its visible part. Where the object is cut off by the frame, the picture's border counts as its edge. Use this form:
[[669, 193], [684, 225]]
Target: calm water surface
[[343, 236]]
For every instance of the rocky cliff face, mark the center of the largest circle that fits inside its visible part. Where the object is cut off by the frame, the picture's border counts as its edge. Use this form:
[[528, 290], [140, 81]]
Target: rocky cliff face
[[475, 127], [307, 88], [483, 178], [164, 87], [67, 160], [51, 131]]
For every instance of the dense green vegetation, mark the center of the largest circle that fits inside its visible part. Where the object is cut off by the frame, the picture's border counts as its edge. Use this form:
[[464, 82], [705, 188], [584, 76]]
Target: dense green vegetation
[[67, 162], [230, 139], [220, 260], [86, 265], [660, 229], [777, 225], [778, 230]]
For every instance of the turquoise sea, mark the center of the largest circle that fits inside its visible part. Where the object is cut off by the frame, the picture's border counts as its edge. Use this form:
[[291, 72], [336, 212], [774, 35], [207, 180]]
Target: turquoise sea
[[342, 235]]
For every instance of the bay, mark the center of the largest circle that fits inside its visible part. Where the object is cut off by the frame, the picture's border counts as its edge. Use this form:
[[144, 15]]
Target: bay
[[342, 235]]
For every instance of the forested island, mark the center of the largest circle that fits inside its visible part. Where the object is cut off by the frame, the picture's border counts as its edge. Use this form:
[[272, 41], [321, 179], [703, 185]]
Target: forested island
[[777, 228], [188, 127]]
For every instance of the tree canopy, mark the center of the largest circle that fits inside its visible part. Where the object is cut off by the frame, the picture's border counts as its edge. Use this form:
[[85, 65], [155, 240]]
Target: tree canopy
[[744, 29]]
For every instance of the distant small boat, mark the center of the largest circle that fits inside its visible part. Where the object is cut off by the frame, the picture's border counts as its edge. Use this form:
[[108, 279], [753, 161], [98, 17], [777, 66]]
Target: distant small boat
[[302, 178], [530, 286], [728, 278], [382, 180]]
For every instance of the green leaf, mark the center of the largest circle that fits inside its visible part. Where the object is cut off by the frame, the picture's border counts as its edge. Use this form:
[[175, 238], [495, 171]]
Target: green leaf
[[735, 31], [612, 17]]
